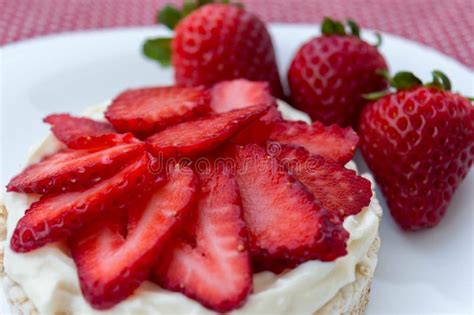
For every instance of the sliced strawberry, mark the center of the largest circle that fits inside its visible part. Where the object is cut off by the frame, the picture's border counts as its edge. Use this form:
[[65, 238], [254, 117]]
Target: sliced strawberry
[[195, 137], [111, 265], [337, 188], [258, 131], [55, 217], [66, 127], [286, 225], [240, 93], [212, 264], [148, 110], [85, 133], [70, 170], [331, 142]]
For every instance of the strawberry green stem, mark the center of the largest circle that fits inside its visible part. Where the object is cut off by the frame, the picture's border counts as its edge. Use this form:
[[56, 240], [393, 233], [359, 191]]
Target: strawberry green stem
[[332, 27], [378, 43], [170, 15], [440, 81], [405, 80], [355, 30]]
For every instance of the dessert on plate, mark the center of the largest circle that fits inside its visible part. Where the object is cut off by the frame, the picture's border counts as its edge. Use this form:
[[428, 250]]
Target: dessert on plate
[[191, 200]]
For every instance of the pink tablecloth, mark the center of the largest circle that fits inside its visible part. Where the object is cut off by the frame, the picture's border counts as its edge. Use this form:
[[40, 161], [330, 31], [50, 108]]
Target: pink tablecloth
[[447, 25]]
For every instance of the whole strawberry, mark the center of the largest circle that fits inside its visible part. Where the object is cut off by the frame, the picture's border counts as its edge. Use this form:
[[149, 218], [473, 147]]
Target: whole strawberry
[[330, 73], [215, 42], [419, 143]]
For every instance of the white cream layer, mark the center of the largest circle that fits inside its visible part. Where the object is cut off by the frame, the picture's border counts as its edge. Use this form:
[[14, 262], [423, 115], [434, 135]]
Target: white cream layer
[[48, 275]]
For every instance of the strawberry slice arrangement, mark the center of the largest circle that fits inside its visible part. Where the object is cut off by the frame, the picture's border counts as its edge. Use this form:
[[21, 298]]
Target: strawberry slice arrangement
[[56, 216], [333, 142], [132, 210], [199, 136], [211, 261], [111, 265], [83, 133], [234, 94], [338, 189], [308, 230], [70, 170], [148, 110]]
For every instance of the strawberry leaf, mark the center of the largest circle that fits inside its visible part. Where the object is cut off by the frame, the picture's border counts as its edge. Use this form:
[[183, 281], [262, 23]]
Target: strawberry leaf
[[440, 80], [158, 49], [375, 95], [355, 30], [189, 6], [327, 28], [331, 27], [339, 28], [204, 2], [405, 80], [378, 43], [169, 16], [384, 73]]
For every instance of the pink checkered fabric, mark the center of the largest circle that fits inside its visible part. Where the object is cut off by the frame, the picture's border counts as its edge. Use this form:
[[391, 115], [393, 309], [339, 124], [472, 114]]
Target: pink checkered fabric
[[447, 25]]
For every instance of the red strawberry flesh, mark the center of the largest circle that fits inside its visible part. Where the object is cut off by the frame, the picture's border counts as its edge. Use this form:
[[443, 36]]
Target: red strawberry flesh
[[85, 133], [258, 131], [337, 189], [214, 267], [199, 136], [147, 110], [240, 93], [331, 142], [55, 217], [286, 225], [70, 170], [110, 265]]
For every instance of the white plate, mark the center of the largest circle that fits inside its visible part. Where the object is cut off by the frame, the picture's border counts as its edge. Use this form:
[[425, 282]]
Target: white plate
[[424, 272]]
